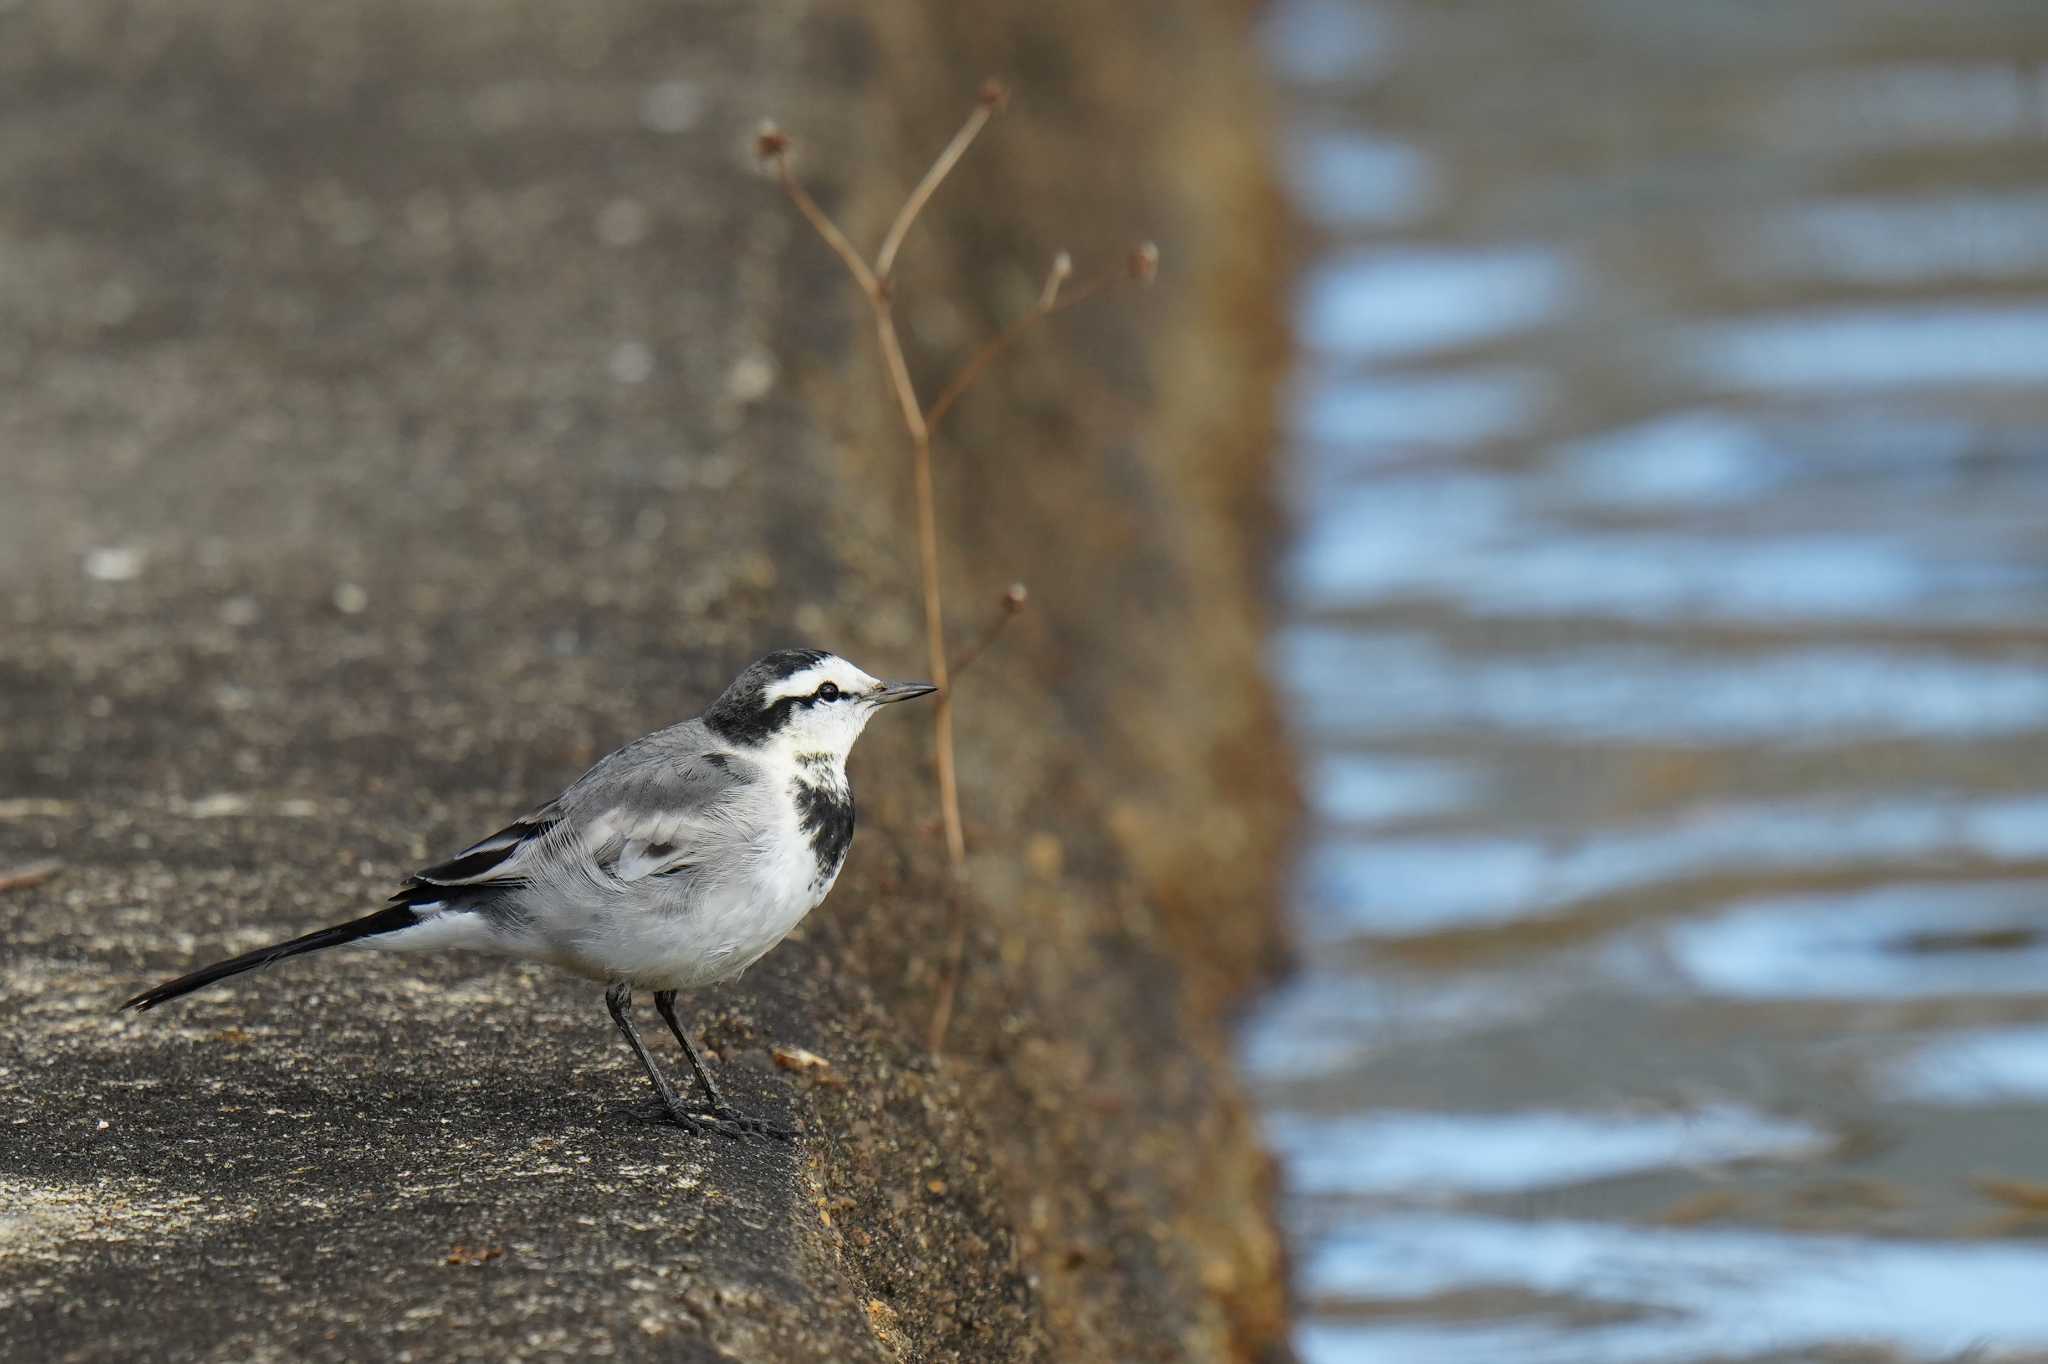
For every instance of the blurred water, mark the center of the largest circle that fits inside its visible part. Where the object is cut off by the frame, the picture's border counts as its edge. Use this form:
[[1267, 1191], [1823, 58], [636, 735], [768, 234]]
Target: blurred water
[[1668, 640]]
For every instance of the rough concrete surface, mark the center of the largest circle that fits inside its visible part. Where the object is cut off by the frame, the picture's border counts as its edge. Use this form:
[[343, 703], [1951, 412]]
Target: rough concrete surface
[[409, 400]]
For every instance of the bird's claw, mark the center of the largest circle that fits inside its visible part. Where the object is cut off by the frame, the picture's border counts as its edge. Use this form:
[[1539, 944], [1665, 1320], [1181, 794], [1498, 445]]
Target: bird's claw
[[729, 1122]]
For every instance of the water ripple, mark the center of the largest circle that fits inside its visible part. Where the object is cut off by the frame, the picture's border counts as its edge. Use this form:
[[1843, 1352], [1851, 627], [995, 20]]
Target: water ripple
[[1446, 1154], [1701, 1295], [1985, 1066], [1803, 696], [1399, 887], [1386, 302], [1895, 942], [1666, 641], [1887, 348]]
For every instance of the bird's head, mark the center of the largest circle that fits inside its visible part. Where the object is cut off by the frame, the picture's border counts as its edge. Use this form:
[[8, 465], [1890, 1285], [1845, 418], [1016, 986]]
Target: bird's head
[[803, 701]]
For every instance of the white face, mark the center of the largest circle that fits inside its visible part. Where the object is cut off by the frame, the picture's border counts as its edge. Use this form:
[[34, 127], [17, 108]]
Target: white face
[[834, 701]]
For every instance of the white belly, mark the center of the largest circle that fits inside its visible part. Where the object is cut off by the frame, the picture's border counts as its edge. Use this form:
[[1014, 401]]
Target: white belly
[[724, 931], [688, 931]]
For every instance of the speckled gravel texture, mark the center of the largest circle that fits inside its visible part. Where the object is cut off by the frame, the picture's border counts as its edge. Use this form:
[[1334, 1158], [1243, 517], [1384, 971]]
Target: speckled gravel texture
[[409, 400]]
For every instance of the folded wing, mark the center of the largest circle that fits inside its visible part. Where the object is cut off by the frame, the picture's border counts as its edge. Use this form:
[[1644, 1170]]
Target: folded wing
[[654, 808], [494, 859]]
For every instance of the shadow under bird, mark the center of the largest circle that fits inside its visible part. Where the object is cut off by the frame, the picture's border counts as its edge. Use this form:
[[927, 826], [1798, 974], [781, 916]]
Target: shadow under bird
[[674, 863]]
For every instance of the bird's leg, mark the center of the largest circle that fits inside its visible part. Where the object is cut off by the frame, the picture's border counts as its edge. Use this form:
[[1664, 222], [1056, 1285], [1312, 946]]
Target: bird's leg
[[619, 999], [665, 1001]]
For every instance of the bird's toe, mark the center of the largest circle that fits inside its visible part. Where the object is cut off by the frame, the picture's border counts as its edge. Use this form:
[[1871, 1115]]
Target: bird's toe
[[733, 1123]]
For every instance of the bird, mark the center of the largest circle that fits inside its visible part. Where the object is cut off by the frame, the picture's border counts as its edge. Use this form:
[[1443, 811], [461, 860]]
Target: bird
[[674, 863]]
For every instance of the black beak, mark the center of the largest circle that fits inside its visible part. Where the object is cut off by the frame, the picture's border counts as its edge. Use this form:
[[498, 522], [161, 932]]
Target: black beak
[[901, 691]]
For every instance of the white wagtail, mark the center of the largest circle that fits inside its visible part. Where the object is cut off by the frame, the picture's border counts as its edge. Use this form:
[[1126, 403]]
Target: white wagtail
[[676, 862]]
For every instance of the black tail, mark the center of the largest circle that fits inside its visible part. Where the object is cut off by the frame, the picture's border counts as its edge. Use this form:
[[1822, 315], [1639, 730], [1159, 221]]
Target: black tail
[[388, 920]]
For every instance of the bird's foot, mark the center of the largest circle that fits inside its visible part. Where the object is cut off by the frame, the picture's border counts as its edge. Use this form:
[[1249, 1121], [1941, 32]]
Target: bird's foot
[[728, 1122]]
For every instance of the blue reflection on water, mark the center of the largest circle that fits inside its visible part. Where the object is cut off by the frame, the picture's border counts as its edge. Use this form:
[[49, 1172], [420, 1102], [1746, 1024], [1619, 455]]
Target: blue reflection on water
[[1402, 886], [1664, 553], [1683, 459], [1855, 108], [1904, 241], [1895, 942], [1985, 1066], [1369, 418], [1386, 302], [1702, 1294], [1327, 40], [1443, 1155], [1800, 696], [1322, 1023], [1890, 348], [1347, 177], [1643, 575], [1355, 789]]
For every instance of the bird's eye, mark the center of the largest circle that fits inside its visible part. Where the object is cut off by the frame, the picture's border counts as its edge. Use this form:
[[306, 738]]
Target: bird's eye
[[829, 692]]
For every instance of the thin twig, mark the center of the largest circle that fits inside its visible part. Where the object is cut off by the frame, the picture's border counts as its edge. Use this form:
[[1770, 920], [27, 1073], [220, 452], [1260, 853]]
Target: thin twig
[[1009, 604], [773, 145], [993, 96], [921, 422], [928, 564], [935, 640], [899, 373], [1062, 267], [949, 977], [1050, 304]]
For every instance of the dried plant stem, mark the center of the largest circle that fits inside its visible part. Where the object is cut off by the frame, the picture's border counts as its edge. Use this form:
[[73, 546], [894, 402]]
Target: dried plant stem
[[873, 282], [949, 975], [1009, 604], [885, 259], [935, 642], [920, 422], [827, 229], [1049, 303]]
